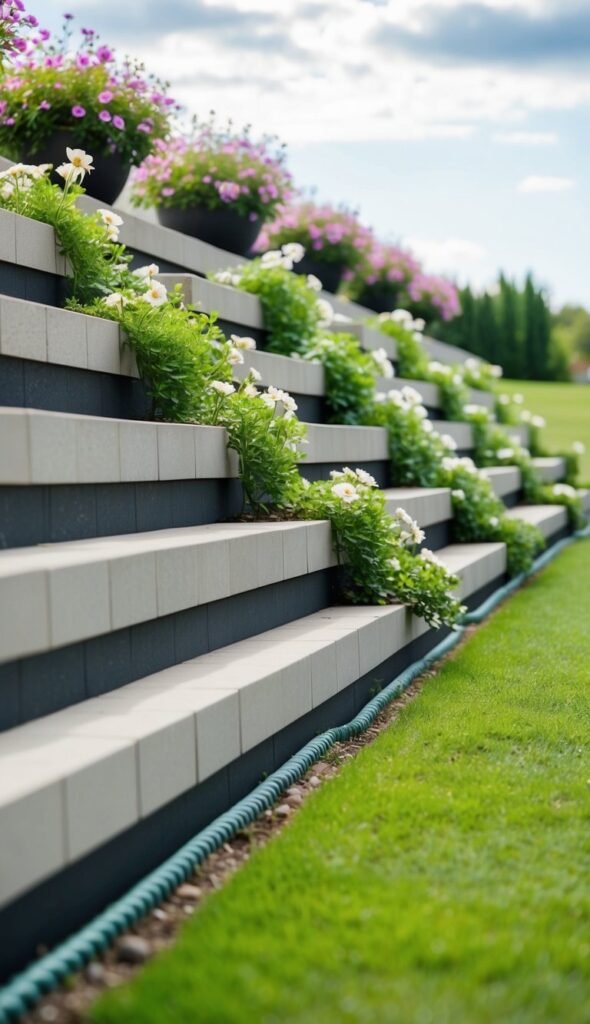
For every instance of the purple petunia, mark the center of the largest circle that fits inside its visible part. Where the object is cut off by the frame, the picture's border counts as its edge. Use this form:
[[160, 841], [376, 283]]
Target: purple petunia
[[118, 122], [104, 116], [78, 111], [105, 96], [104, 54]]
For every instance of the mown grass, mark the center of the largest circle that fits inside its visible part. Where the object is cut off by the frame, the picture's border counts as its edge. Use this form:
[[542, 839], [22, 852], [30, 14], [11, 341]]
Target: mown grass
[[566, 407], [441, 877]]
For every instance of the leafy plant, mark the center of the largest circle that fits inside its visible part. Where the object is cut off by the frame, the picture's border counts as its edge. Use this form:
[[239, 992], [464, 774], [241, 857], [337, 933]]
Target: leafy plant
[[87, 241], [350, 376], [292, 312], [327, 234], [15, 26], [377, 552]]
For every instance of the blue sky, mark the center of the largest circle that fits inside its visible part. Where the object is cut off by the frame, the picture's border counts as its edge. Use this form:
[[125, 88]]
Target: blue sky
[[460, 128]]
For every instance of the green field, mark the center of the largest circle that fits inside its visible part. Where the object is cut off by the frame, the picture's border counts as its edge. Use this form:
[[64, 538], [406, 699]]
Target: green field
[[441, 877], [566, 407]]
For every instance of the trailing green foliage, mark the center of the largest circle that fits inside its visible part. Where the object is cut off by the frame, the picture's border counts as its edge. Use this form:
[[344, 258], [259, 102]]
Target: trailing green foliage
[[350, 376], [85, 240], [292, 313], [377, 551]]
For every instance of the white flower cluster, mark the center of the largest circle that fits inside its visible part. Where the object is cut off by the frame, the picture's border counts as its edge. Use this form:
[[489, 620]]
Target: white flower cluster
[[429, 556], [384, 365], [325, 313], [20, 177], [349, 482], [227, 277], [285, 257], [112, 223], [452, 462], [410, 532], [476, 410], [405, 318]]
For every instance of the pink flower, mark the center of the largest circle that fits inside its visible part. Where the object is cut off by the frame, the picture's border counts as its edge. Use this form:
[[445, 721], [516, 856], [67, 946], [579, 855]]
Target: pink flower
[[168, 191], [44, 105], [228, 190], [105, 96], [118, 122], [143, 127], [104, 54], [78, 111], [104, 116]]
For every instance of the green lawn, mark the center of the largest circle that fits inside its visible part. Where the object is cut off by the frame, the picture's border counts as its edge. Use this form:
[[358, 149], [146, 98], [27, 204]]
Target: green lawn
[[566, 407], [441, 877]]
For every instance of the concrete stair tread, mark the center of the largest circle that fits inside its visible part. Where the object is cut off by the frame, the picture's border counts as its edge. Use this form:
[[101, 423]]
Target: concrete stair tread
[[72, 780], [548, 518], [551, 468]]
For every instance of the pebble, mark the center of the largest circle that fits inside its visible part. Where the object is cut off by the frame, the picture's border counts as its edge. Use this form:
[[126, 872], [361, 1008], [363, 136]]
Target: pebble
[[314, 781], [188, 892], [159, 914], [189, 908], [133, 949], [294, 799], [94, 973], [283, 811]]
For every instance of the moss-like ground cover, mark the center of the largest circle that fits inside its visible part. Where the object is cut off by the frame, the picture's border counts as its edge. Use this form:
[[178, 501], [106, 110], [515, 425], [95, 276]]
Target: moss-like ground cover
[[441, 877]]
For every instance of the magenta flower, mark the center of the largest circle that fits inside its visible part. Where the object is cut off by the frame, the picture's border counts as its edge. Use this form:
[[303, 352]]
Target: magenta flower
[[104, 54], [82, 60], [118, 122], [78, 111], [143, 127], [104, 116], [168, 191], [105, 96], [44, 105], [228, 190]]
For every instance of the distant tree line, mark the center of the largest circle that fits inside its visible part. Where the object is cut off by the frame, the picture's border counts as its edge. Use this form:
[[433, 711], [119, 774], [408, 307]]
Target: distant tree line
[[512, 326]]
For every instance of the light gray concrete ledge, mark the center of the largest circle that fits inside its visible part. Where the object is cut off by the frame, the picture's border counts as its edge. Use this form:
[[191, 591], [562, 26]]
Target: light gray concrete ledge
[[73, 780]]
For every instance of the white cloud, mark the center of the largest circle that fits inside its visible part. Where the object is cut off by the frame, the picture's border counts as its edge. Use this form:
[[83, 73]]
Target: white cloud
[[447, 255], [538, 183], [527, 138]]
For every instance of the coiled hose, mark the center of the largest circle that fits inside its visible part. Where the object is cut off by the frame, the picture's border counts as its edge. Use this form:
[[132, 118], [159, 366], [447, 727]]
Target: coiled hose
[[43, 976]]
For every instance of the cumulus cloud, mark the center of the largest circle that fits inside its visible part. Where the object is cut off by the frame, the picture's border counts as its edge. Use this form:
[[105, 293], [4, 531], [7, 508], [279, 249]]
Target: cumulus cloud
[[539, 183], [450, 255]]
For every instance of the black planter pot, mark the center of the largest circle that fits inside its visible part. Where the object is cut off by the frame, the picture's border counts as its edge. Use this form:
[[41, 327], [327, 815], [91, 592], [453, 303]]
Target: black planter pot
[[222, 227], [383, 297], [105, 182], [330, 274]]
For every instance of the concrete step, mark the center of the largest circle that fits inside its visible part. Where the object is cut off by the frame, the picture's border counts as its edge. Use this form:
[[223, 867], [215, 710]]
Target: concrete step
[[505, 480], [73, 780], [550, 469], [550, 519]]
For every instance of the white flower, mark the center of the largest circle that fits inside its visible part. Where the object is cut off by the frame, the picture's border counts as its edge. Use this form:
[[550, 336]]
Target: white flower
[[112, 219], [365, 478], [449, 442], [286, 263], [267, 400], [222, 387], [255, 375], [411, 396], [518, 398], [475, 410], [340, 318], [80, 160], [435, 367], [427, 427], [289, 403], [395, 564], [305, 483], [68, 172], [396, 397], [403, 517], [242, 343], [401, 316], [380, 396], [564, 491], [496, 371], [526, 416], [578, 447], [458, 494], [234, 357], [294, 250], [494, 521], [346, 492], [272, 258], [413, 535], [115, 299], [235, 279], [385, 366], [504, 399], [419, 324], [429, 556], [113, 234], [222, 277], [538, 422], [156, 295], [472, 364], [505, 453], [275, 393], [250, 391], [420, 412], [146, 273], [325, 312], [314, 283]]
